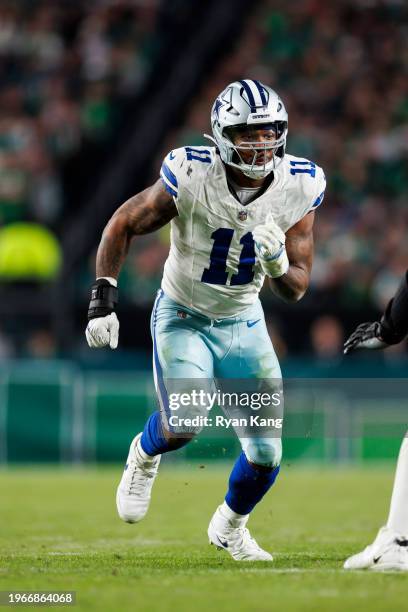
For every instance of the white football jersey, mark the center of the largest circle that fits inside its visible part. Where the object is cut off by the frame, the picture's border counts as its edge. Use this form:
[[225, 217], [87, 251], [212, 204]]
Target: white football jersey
[[212, 266]]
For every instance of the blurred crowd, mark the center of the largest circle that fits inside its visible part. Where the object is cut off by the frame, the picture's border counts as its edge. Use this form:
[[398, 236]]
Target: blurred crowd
[[340, 67], [63, 68]]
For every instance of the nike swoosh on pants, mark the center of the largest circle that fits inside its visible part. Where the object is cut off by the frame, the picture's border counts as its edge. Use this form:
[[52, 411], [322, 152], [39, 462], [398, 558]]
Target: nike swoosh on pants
[[252, 323]]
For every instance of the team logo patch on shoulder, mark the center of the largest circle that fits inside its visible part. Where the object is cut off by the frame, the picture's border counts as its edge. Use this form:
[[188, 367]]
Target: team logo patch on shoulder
[[242, 215]]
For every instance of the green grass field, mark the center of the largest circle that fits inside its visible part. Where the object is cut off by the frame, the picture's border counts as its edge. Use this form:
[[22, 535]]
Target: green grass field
[[59, 531]]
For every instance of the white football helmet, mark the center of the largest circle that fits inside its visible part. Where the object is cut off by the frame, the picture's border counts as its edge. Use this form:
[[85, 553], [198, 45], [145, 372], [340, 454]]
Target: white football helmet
[[249, 103]]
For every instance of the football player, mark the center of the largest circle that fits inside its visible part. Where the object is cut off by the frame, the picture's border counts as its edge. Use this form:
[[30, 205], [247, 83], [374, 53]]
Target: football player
[[240, 210], [389, 551]]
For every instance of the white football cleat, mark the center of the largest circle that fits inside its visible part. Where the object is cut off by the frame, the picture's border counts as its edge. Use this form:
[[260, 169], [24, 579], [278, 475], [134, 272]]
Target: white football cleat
[[389, 551], [134, 490], [233, 536]]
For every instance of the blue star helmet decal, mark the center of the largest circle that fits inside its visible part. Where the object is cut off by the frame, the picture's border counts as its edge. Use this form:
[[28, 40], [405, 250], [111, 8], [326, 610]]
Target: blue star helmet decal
[[217, 106]]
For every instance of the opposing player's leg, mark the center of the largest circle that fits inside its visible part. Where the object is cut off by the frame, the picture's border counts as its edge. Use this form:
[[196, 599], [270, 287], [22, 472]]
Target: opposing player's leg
[[253, 362], [389, 551], [179, 356]]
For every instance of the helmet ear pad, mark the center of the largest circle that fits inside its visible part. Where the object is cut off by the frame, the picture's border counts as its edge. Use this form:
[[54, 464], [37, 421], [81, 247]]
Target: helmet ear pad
[[235, 158], [280, 152]]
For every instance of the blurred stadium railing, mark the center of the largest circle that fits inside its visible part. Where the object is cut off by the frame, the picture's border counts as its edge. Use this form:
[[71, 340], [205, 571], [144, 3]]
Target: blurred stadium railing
[[58, 411]]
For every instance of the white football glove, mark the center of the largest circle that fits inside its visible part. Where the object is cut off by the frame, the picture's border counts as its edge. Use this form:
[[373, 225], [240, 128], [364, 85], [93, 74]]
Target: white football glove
[[270, 249], [103, 331]]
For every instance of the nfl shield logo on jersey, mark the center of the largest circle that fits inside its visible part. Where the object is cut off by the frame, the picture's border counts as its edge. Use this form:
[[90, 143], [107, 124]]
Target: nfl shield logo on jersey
[[242, 215]]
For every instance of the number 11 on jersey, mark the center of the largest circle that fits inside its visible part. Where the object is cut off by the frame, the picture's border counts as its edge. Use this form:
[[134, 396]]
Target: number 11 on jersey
[[217, 273]]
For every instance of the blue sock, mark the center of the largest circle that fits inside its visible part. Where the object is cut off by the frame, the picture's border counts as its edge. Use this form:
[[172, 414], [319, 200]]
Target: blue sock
[[153, 441], [248, 485]]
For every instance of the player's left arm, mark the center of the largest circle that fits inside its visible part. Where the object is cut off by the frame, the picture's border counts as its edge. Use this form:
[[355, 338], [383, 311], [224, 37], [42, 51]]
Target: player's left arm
[[292, 285]]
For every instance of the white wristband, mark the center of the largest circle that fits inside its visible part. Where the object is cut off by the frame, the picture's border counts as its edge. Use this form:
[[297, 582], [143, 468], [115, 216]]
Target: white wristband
[[112, 280]]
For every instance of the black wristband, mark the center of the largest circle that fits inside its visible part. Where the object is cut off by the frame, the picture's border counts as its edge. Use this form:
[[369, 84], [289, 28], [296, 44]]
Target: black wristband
[[394, 322], [104, 298]]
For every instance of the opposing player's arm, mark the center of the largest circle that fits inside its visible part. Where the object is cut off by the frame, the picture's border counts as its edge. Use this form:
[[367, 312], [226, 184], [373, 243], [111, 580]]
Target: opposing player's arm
[[144, 213], [292, 285], [391, 329]]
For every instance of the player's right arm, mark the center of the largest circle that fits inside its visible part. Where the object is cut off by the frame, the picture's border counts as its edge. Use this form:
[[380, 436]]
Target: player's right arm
[[391, 329], [144, 213]]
